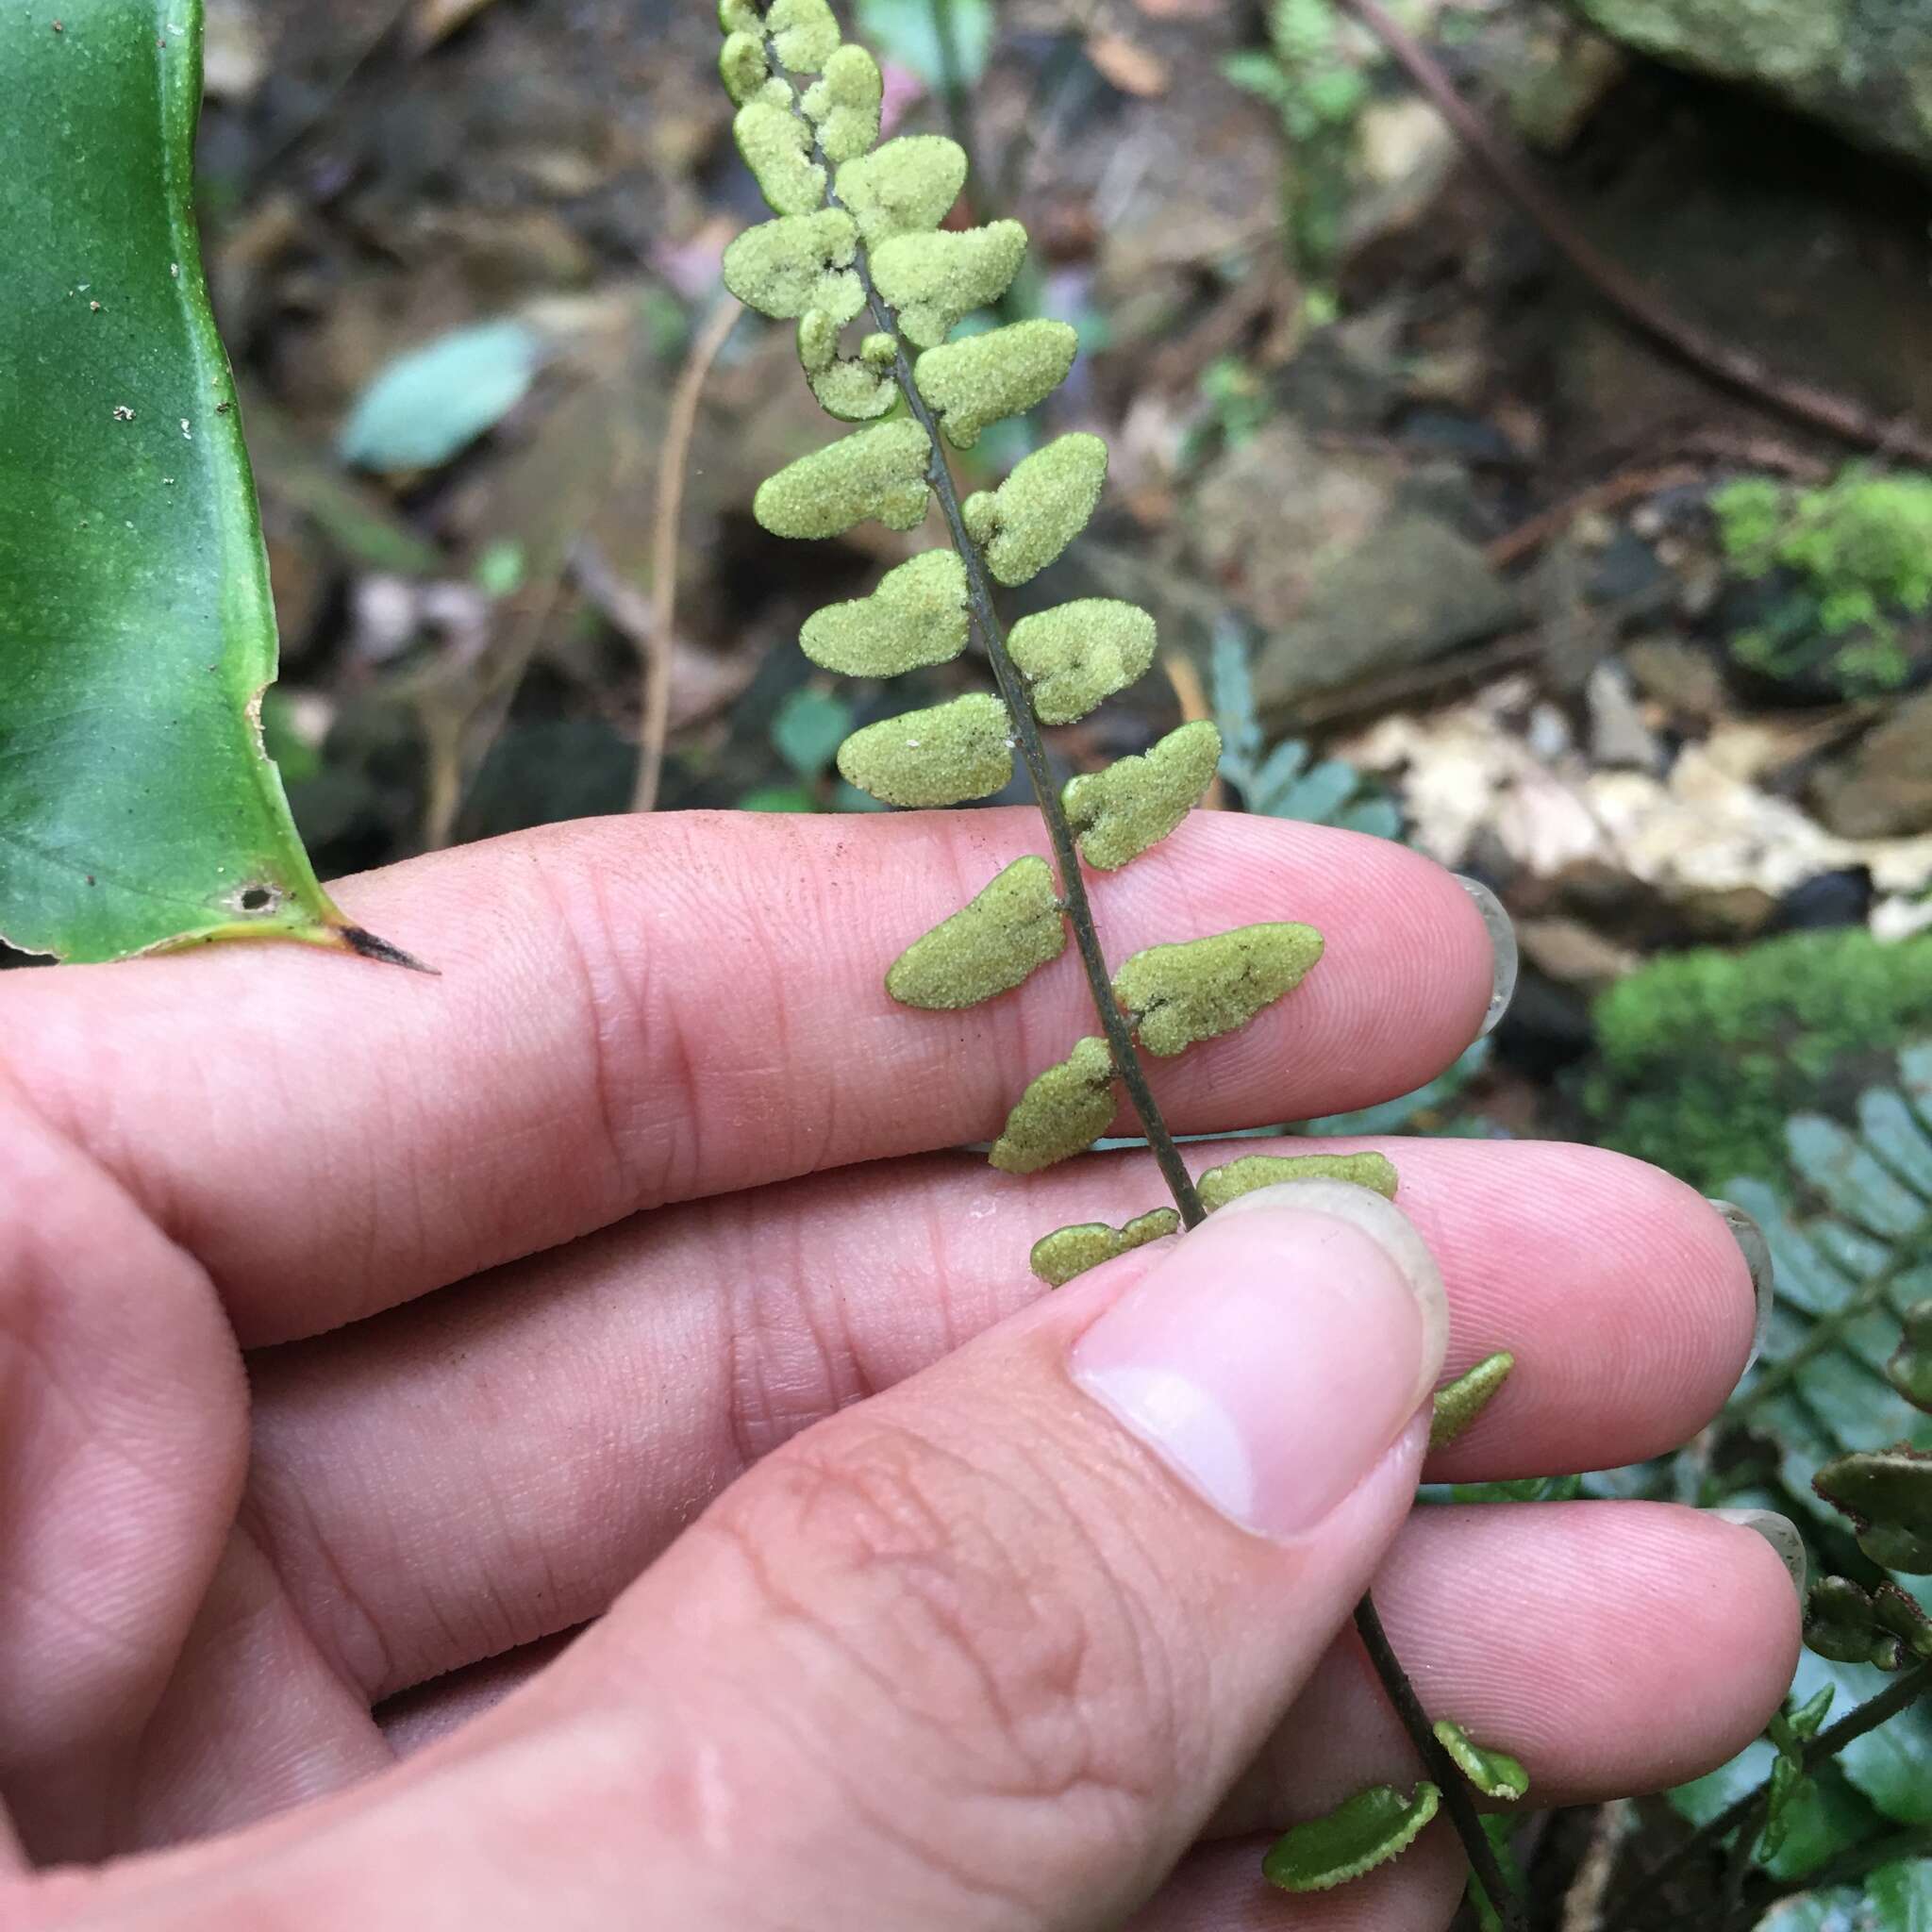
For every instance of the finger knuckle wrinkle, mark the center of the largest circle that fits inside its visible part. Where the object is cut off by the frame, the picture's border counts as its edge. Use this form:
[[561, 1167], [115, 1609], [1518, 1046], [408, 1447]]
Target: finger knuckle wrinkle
[[959, 1602]]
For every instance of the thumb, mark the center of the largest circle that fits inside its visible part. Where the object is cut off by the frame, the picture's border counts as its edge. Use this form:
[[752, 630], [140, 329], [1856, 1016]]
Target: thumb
[[983, 1652], [990, 1647]]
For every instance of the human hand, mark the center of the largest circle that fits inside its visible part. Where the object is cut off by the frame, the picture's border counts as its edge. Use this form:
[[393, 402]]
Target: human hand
[[617, 1278]]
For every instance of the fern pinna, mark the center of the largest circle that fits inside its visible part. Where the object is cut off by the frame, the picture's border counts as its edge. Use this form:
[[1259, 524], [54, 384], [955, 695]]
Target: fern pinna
[[856, 257]]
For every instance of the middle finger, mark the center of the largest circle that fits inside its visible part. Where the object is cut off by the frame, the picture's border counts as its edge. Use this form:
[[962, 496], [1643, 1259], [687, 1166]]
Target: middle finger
[[494, 1465]]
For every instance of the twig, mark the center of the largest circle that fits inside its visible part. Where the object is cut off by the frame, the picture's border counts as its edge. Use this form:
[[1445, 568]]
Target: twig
[[1191, 695], [954, 91], [1899, 1695], [319, 106], [1735, 367], [1443, 1770], [1040, 120], [1612, 493], [1583, 1903], [654, 647]]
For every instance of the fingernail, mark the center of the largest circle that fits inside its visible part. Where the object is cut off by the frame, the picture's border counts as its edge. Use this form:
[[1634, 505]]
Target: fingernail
[[1278, 1352], [1780, 1532], [1502, 951], [1750, 1238]]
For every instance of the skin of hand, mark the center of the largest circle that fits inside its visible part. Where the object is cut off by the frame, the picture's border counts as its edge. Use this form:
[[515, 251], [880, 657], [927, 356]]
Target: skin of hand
[[564, 1442]]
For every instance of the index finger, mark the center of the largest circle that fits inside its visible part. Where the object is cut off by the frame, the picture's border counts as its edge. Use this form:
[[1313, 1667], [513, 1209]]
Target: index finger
[[636, 1011]]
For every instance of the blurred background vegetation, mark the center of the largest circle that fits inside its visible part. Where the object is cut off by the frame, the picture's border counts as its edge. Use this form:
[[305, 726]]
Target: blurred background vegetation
[[1456, 554]]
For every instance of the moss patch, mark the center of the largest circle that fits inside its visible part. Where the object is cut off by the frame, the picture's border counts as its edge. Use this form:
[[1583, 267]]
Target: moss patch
[[1704, 1056], [1856, 557]]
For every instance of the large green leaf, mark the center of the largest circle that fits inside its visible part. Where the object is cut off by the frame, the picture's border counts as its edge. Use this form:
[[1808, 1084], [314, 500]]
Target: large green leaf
[[137, 805]]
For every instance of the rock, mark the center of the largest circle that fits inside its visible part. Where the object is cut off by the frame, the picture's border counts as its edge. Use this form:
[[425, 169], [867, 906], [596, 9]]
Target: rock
[[1882, 787], [1574, 954], [1863, 66], [1684, 680], [1559, 81], [1268, 511], [1618, 735], [1409, 592]]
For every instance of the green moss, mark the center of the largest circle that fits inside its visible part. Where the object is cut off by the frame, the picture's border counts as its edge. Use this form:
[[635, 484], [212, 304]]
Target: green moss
[[942, 756], [1136, 802], [877, 473], [994, 942], [1078, 655], [805, 34], [844, 105], [905, 188], [740, 17], [916, 617], [777, 146], [1221, 1185], [1056, 1258], [796, 265], [1464, 1399], [1202, 989], [1031, 518], [985, 378], [936, 280], [1858, 556], [1061, 1113], [1702, 1057]]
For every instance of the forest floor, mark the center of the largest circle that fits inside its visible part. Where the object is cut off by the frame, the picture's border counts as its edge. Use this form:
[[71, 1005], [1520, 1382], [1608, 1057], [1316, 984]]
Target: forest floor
[[1365, 423]]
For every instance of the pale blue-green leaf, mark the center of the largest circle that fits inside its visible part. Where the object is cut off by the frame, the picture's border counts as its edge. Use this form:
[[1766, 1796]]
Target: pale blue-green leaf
[[1276, 776], [1850, 1249], [1894, 1134], [1233, 705], [1846, 1172], [1381, 818], [1395, 1116], [907, 31], [431, 403], [1915, 1078], [808, 731], [1320, 793]]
